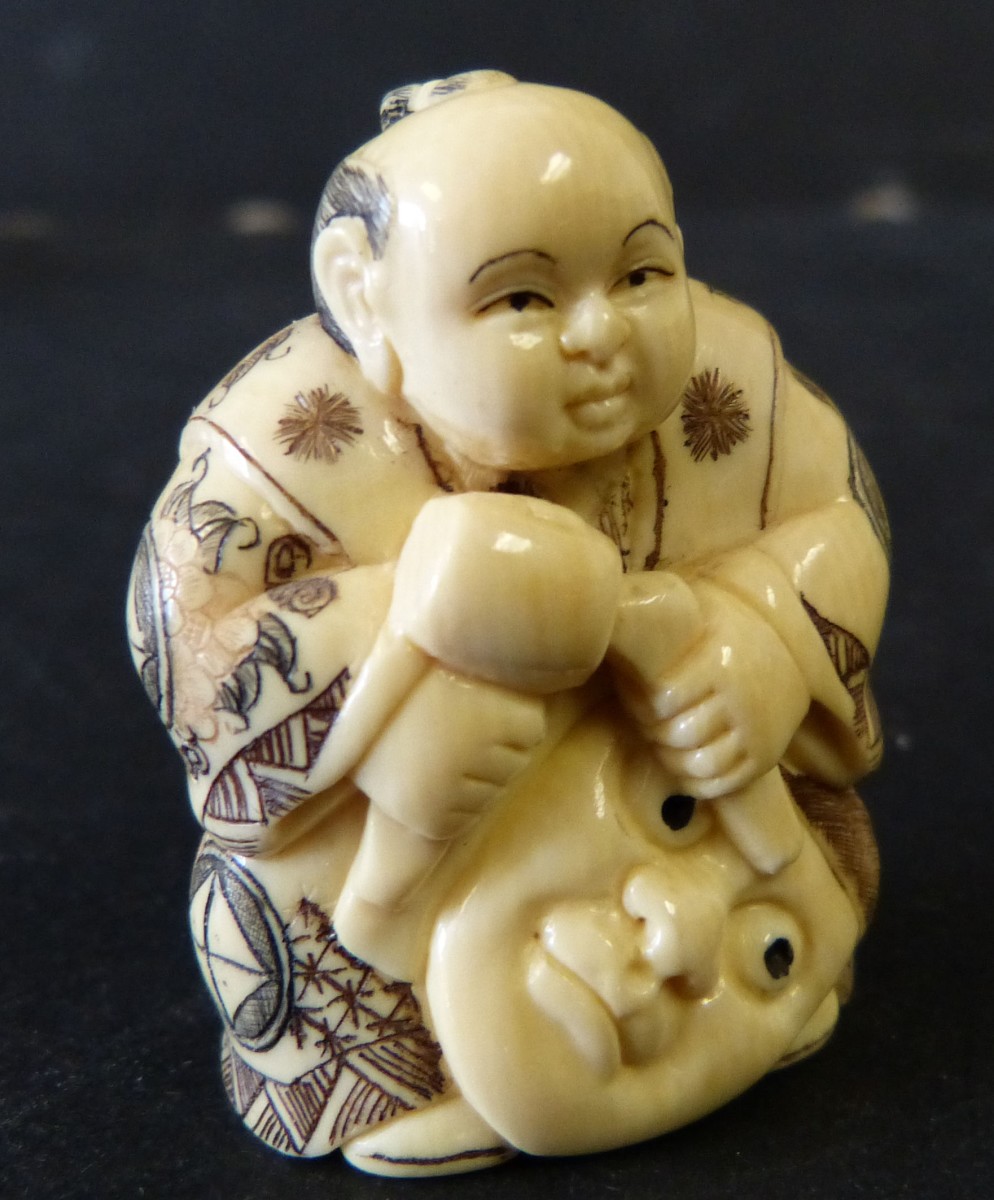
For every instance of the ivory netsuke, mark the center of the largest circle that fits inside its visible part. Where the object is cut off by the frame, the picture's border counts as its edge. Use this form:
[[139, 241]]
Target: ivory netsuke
[[513, 615]]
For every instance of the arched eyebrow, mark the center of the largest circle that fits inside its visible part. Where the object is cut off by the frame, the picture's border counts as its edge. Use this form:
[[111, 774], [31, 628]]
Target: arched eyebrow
[[651, 221], [491, 262]]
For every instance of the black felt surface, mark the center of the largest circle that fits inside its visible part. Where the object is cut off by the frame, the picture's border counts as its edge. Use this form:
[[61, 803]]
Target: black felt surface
[[113, 323]]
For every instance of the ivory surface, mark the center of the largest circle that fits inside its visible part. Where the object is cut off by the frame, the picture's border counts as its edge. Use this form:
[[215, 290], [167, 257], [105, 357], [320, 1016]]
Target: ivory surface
[[513, 615]]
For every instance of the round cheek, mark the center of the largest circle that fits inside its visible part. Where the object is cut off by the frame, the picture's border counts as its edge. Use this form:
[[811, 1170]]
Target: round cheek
[[665, 341], [510, 389], [508, 375]]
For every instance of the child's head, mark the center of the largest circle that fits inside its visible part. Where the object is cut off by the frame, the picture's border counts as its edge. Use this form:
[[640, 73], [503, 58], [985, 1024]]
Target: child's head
[[507, 262]]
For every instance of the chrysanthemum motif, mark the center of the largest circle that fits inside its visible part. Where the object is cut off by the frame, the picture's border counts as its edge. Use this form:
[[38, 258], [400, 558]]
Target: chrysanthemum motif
[[318, 425], [714, 418]]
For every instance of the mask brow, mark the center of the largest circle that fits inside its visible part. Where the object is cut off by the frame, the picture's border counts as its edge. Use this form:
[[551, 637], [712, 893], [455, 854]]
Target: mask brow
[[491, 262]]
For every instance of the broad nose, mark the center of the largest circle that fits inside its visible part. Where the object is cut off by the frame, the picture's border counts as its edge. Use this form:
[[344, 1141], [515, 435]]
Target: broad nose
[[594, 329], [681, 929]]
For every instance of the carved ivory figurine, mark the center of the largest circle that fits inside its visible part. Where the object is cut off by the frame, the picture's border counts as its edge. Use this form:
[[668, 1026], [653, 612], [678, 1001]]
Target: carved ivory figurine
[[513, 615]]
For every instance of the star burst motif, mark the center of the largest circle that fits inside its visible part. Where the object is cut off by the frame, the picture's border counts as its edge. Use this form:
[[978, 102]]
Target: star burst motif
[[714, 418], [318, 425]]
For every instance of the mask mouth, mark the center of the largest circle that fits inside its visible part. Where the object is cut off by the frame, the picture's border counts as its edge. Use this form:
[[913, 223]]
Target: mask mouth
[[628, 1027], [578, 1010], [646, 1034]]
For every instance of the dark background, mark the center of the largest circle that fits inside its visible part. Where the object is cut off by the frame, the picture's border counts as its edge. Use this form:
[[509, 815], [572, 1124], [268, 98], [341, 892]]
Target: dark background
[[834, 166]]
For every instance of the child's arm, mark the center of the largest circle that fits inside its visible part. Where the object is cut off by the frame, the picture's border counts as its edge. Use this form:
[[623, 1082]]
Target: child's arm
[[247, 634], [775, 666], [498, 600]]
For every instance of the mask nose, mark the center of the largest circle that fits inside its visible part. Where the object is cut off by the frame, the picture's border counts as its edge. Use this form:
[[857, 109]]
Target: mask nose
[[681, 930], [595, 329]]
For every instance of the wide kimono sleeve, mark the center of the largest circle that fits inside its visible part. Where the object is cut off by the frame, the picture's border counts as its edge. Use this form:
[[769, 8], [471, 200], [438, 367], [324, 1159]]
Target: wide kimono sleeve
[[249, 617], [816, 569]]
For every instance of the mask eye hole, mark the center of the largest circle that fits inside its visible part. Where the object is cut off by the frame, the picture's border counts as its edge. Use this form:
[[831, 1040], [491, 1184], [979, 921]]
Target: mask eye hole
[[677, 811], [766, 947], [671, 820], [779, 958], [682, 820]]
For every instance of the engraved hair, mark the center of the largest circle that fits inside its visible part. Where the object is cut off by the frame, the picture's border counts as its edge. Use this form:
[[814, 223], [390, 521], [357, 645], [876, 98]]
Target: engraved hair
[[352, 191], [415, 97]]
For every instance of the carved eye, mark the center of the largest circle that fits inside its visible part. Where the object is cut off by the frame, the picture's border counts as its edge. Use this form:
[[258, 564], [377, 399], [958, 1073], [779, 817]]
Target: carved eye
[[640, 276], [767, 946], [519, 301]]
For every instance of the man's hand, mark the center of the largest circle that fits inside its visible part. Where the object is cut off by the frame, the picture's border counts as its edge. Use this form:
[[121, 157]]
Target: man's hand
[[449, 751]]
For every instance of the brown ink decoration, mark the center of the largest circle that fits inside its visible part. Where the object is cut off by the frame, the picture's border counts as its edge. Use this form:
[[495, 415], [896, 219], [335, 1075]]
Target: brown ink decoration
[[659, 482], [376, 1058], [215, 525], [153, 652], [148, 609], [435, 467], [714, 419], [777, 360], [286, 557], [616, 509], [255, 966], [265, 351], [275, 647], [305, 597], [212, 522], [318, 424], [841, 818], [194, 756], [866, 492], [273, 482], [851, 661], [254, 788]]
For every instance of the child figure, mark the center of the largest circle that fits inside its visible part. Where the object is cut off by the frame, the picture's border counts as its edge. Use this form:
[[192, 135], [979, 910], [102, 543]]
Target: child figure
[[517, 460]]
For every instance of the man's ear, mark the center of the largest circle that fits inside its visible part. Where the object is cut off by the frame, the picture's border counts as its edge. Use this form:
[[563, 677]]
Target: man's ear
[[344, 266]]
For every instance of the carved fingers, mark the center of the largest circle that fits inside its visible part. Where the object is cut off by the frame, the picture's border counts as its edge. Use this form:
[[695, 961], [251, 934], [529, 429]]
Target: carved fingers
[[714, 770], [724, 714], [696, 731], [449, 751]]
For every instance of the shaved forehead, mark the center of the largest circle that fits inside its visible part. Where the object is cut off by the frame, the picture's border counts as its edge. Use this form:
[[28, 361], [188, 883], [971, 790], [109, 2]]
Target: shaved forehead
[[528, 131]]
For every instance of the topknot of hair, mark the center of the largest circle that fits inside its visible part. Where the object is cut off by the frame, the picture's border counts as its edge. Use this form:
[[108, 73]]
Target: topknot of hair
[[414, 97]]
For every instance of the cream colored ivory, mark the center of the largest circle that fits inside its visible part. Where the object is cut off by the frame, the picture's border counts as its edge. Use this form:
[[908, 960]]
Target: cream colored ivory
[[514, 615]]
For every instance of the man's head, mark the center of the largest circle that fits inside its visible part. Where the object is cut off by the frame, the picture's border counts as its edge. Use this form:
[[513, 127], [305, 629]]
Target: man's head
[[507, 263], [609, 967]]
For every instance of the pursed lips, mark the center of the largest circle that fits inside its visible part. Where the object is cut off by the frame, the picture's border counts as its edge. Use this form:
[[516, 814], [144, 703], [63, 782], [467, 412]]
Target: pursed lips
[[601, 401]]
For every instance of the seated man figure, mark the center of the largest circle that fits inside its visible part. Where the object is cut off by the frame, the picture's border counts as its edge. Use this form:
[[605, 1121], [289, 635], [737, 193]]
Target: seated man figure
[[504, 315]]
